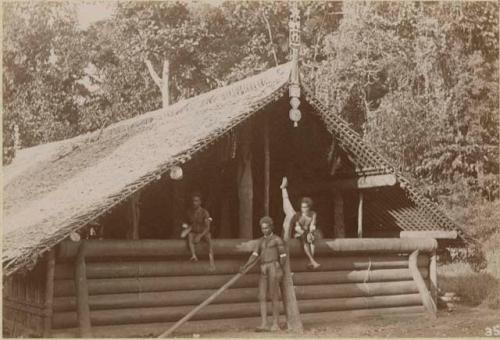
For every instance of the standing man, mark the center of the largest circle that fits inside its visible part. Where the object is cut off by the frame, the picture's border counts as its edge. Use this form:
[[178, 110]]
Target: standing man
[[271, 250], [197, 228]]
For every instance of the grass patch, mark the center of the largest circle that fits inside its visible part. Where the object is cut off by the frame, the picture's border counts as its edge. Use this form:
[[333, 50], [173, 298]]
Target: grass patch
[[481, 220], [474, 288]]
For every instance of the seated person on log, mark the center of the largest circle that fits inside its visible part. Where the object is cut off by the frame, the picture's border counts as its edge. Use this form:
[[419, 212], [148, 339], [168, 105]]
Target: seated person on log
[[197, 227], [271, 250], [303, 222]]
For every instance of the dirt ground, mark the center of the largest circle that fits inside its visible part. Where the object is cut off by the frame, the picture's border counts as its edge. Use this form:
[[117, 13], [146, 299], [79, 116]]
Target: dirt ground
[[463, 322]]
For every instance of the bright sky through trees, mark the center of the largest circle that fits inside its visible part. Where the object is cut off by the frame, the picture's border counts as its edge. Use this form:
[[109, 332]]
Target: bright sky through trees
[[90, 12]]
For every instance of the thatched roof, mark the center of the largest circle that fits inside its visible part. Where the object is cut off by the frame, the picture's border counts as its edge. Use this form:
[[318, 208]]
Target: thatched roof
[[53, 189]]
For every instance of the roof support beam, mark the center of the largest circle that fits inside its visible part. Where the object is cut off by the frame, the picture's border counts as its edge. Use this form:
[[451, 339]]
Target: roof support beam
[[134, 216], [82, 293], [437, 234], [360, 215], [49, 293], [366, 182], [267, 166]]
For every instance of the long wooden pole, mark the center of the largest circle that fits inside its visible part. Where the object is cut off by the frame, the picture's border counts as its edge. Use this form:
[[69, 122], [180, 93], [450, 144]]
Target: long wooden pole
[[360, 215], [267, 166], [82, 293], [207, 301], [49, 293]]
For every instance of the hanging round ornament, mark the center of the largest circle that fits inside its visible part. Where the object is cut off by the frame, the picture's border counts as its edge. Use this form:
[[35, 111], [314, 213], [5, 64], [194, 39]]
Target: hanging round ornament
[[295, 116], [295, 102], [74, 236], [176, 173]]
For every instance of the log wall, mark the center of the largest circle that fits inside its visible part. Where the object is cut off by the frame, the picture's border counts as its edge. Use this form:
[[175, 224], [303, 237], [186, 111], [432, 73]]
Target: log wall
[[151, 281]]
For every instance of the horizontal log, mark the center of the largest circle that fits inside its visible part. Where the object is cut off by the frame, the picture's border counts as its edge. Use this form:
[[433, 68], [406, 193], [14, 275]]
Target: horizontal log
[[234, 295], [175, 283], [99, 270], [203, 327], [234, 310], [438, 234], [235, 247]]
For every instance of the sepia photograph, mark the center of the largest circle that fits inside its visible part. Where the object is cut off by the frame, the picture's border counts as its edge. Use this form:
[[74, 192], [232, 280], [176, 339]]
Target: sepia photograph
[[250, 169]]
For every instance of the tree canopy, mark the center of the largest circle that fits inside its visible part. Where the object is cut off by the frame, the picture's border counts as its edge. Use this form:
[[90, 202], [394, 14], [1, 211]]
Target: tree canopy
[[419, 80]]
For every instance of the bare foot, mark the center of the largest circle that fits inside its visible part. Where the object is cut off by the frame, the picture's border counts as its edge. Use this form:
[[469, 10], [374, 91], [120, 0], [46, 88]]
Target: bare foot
[[261, 329], [193, 258], [284, 183], [313, 265], [212, 267], [275, 327]]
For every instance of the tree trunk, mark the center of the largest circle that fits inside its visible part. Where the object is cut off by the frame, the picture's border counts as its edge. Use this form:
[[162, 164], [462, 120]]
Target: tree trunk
[[164, 87], [245, 185], [162, 83]]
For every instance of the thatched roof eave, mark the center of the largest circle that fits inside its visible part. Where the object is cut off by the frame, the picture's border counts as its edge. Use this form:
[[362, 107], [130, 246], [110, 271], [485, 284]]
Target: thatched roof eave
[[75, 181]]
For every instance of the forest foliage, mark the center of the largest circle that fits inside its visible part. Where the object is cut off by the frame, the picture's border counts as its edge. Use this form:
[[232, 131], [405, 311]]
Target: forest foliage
[[419, 80]]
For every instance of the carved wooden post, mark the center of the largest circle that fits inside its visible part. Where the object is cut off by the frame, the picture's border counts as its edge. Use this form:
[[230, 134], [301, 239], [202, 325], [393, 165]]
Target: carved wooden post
[[339, 224], [82, 293], [245, 185]]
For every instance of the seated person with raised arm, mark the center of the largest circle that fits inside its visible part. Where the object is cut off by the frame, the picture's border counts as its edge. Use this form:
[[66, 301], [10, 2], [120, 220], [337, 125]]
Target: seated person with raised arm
[[303, 223]]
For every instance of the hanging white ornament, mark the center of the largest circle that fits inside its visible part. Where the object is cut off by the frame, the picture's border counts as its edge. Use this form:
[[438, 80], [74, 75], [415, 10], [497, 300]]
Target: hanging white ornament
[[295, 102], [74, 236], [295, 115], [176, 173]]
